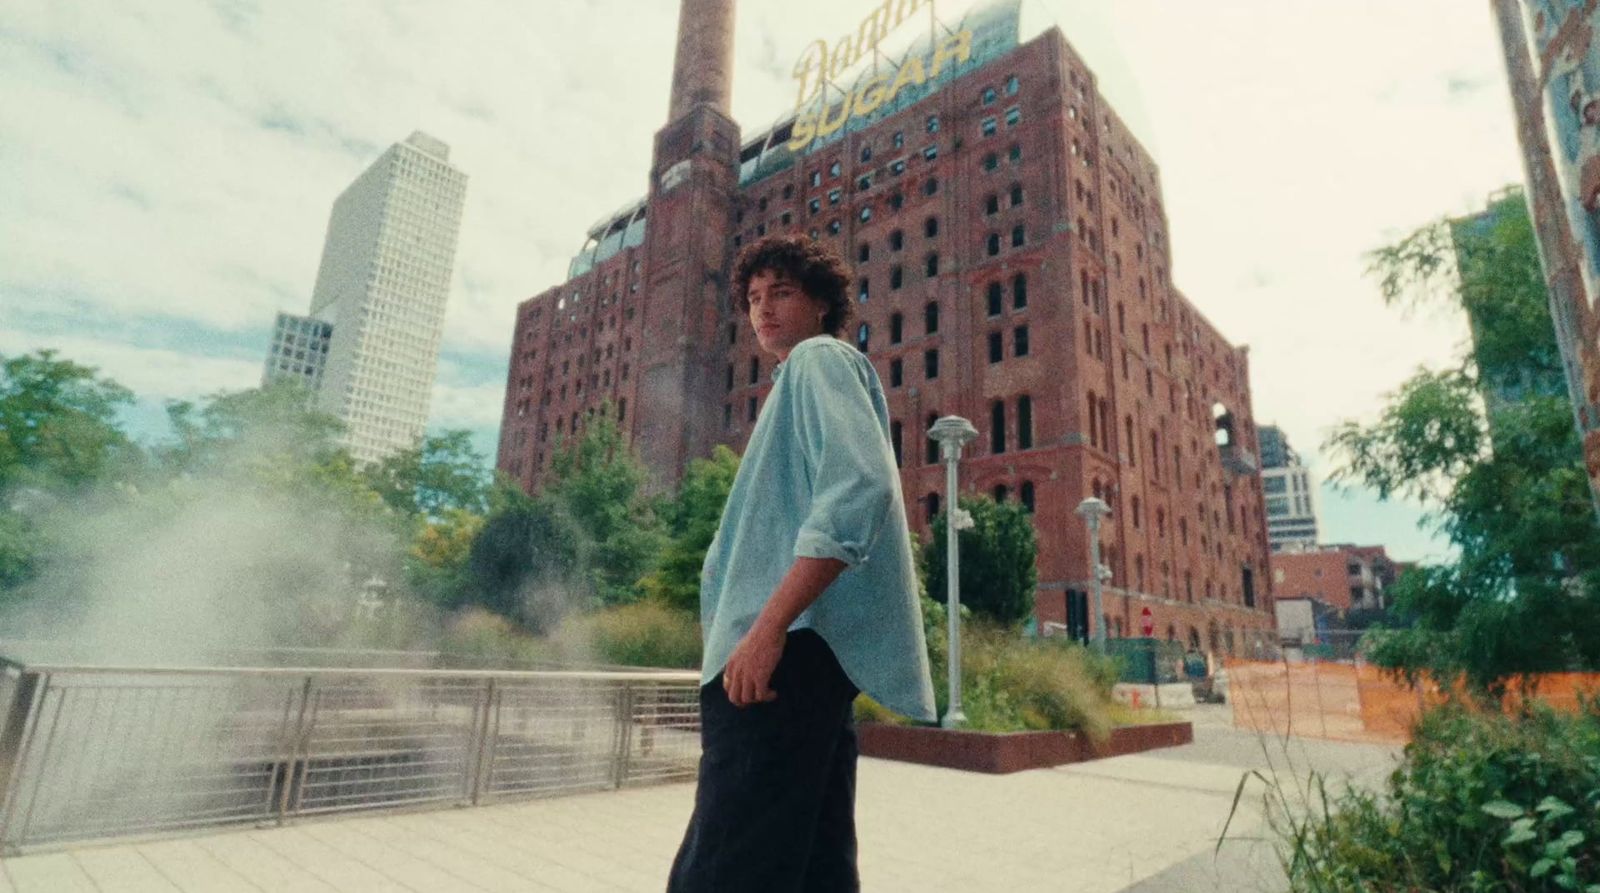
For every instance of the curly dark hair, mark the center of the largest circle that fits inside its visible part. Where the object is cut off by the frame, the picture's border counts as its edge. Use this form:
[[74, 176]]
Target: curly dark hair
[[816, 268]]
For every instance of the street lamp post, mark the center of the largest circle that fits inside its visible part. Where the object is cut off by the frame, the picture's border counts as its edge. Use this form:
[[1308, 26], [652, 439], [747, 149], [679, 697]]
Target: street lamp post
[[1092, 510], [952, 433]]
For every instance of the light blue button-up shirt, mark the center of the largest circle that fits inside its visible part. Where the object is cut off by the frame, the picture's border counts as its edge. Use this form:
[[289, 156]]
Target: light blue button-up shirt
[[818, 479]]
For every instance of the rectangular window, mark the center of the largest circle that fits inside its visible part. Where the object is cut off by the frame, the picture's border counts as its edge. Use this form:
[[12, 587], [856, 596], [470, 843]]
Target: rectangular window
[[1025, 423], [990, 125], [995, 342], [896, 373], [833, 196], [1019, 341], [931, 152], [1013, 116], [930, 364], [752, 405]]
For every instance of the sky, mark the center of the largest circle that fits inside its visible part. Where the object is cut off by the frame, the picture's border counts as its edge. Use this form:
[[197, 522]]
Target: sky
[[167, 169]]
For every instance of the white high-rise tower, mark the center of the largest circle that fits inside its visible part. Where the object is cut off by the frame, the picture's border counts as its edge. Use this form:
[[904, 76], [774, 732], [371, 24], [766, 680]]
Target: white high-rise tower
[[383, 284]]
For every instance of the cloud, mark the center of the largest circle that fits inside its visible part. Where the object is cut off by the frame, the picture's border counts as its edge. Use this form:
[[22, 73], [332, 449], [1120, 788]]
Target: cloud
[[179, 167]]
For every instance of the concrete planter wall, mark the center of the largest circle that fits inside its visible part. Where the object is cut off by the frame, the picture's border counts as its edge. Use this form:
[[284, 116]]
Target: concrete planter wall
[[1005, 752]]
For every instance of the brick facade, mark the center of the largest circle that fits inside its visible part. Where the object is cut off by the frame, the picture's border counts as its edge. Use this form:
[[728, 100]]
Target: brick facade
[[1118, 377]]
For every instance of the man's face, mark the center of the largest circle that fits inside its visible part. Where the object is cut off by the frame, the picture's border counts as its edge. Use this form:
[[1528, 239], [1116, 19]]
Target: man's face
[[781, 314]]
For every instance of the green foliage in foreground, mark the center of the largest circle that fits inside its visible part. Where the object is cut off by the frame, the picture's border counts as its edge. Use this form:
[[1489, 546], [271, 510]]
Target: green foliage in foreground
[[1012, 684], [1489, 447], [1482, 803], [999, 571]]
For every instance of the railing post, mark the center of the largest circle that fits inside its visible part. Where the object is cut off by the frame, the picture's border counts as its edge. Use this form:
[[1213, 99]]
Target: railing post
[[624, 737], [488, 731], [16, 738], [291, 766]]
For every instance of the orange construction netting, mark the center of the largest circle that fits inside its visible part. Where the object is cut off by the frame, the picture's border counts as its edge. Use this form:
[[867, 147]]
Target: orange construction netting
[[1350, 702]]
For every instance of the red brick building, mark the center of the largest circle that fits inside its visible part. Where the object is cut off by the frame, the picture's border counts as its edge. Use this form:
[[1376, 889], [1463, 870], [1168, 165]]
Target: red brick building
[[1340, 576], [1013, 264]]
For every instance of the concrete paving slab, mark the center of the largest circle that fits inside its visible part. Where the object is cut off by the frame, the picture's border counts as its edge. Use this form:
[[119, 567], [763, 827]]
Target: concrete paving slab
[[1146, 823]]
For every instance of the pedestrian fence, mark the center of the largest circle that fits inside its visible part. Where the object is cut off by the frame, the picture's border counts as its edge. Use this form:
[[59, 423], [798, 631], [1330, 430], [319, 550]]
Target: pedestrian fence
[[1361, 702], [96, 752]]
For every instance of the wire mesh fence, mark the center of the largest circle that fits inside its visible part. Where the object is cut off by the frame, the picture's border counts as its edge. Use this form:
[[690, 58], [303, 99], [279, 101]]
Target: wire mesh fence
[[94, 752], [1361, 702]]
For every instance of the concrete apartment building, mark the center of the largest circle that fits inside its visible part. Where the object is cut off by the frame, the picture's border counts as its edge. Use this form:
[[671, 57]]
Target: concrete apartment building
[[1013, 267], [299, 351], [1290, 497], [377, 311]]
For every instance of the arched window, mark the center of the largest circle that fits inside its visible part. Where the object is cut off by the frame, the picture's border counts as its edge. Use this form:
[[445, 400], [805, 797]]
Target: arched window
[[930, 317], [996, 293], [1018, 236], [930, 227], [1025, 422], [932, 264], [1019, 292], [1001, 492], [997, 427]]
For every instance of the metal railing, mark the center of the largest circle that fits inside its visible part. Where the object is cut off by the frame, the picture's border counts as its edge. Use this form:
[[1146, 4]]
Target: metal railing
[[93, 752]]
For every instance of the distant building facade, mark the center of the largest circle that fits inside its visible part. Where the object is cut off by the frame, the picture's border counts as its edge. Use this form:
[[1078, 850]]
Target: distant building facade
[[298, 352], [1343, 577], [1011, 264], [1290, 498], [380, 297]]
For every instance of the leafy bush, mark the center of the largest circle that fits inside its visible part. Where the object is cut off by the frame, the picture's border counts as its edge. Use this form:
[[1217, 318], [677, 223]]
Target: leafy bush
[[644, 634], [1011, 684], [1482, 802]]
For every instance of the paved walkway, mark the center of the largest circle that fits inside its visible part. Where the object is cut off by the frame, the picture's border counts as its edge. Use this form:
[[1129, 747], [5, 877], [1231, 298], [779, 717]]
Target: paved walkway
[[1145, 823]]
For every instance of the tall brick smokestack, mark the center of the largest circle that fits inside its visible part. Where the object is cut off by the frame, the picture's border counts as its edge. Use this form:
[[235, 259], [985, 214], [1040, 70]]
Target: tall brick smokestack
[[702, 69]]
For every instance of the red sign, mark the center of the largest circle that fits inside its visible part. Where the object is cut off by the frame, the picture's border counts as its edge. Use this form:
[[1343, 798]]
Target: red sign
[[1147, 622]]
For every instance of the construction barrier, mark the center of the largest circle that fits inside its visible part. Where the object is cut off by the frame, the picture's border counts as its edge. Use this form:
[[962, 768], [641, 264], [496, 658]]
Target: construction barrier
[[1361, 702]]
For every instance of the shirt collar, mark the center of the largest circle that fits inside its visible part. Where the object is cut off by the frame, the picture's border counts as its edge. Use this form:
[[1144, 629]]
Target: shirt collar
[[782, 363]]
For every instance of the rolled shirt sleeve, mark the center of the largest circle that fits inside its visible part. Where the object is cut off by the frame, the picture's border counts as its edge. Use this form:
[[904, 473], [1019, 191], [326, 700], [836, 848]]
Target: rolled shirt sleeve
[[846, 455]]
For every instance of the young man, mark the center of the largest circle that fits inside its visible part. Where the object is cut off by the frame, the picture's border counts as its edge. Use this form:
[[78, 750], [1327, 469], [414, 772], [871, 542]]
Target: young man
[[807, 596]]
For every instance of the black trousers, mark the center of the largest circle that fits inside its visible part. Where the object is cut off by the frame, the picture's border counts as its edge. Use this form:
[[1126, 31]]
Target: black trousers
[[775, 806]]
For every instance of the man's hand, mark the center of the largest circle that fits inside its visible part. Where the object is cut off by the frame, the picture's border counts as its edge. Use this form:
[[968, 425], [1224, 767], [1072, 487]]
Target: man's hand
[[748, 676]]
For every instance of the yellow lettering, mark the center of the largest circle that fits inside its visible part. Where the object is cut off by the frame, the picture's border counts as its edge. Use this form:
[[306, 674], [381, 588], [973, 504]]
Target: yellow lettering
[[870, 94], [903, 9], [843, 58], [910, 73], [873, 29], [825, 126], [805, 130], [809, 71], [956, 47]]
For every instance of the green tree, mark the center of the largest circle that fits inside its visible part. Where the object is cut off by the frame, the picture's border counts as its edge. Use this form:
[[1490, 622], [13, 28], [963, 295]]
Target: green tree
[[442, 473], [58, 423], [523, 562], [438, 561], [692, 517], [998, 554], [1489, 447], [598, 483]]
